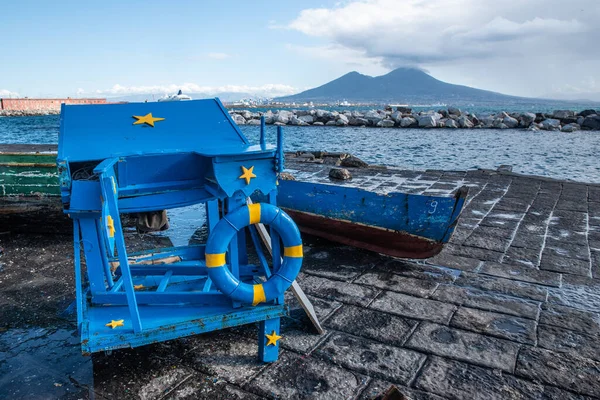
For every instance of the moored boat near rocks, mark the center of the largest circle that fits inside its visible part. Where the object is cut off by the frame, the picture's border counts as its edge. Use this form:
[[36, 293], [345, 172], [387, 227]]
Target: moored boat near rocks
[[404, 117]]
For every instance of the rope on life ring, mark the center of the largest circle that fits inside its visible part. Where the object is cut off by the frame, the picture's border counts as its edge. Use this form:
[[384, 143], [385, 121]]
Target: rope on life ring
[[224, 232]]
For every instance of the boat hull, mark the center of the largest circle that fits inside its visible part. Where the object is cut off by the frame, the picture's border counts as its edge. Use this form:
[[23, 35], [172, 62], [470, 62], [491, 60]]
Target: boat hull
[[379, 240], [396, 224]]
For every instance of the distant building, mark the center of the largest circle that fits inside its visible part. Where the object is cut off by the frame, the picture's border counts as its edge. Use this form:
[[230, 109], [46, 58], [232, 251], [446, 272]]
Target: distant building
[[27, 104]]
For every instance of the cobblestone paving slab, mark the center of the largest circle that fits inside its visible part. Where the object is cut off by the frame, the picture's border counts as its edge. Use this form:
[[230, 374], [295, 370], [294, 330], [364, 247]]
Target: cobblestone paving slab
[[340, 291], [300, 337], [567, 341], [449, 260], [419, 270], [296, 377], [504, 326], [567, 371], [413, 307], [457, 380], [379, 387], [397, 283], [372, 324], [466, 346], [522, 256], [372, 358], [503, 286], [571, 318], [339, 263], [323, 307], [552, 262], [577, 296], [487, 301], [521, 273]]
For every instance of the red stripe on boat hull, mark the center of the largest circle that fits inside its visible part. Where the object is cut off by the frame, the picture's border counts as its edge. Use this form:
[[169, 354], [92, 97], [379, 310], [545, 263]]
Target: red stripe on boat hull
[[396, 244]]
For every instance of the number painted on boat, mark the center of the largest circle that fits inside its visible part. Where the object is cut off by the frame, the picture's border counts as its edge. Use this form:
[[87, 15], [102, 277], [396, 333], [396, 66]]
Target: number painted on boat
[[433, 206]]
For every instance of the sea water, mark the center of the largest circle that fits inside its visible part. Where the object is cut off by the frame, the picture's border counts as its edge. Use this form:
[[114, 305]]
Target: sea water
[[574, 156]]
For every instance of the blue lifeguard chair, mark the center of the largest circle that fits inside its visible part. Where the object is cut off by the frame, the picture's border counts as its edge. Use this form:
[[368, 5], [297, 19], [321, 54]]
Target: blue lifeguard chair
[[140, 157]]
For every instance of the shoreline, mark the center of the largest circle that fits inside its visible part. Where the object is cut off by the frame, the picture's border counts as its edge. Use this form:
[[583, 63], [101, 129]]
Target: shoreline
[[405, 117]]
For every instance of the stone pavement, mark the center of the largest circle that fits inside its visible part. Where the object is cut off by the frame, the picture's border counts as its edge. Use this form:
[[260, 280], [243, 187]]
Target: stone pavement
[[509, 310]]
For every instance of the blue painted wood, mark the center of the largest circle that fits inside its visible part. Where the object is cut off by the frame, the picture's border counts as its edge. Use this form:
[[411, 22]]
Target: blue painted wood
[[263, 131], [268, 353], [78, 281], [197, 124], [431, 217], [187, 153], [165, 323], [109, 195]]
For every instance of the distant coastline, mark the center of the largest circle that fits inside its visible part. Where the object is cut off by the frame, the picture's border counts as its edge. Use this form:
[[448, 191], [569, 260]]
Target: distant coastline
[[402, 117]]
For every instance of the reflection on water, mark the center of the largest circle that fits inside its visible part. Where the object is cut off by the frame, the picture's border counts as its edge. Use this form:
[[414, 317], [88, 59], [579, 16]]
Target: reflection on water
[[43, 363]]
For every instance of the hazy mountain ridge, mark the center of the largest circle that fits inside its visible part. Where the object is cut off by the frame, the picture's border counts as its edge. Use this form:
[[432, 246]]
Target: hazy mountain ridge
[[402, 85]]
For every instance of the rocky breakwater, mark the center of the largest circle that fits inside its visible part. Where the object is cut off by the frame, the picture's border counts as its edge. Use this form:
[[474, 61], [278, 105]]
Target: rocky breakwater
[[404, 117]]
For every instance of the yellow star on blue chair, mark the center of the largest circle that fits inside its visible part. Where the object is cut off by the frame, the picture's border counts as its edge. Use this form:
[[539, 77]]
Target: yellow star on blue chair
[[113, 324], [146, 119], [272, 338], [248, 174]]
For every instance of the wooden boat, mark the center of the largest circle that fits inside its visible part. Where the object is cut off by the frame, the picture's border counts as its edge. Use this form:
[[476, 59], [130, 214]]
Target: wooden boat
[[396, 224], [29, 191]]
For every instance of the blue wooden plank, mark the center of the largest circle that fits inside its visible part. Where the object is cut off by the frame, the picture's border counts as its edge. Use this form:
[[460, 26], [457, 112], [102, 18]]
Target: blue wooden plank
[[175, 322], [78, 281], [164, 281], [425, 216]]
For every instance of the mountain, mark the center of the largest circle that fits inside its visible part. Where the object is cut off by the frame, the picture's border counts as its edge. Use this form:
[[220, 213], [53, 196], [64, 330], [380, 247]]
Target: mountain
[[402, 85]]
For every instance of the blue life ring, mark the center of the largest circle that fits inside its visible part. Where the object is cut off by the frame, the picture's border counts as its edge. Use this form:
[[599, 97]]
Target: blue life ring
[[227, 228]]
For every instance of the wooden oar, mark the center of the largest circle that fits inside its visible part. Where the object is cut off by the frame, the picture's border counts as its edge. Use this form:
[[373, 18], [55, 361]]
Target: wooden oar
[[296, 289]]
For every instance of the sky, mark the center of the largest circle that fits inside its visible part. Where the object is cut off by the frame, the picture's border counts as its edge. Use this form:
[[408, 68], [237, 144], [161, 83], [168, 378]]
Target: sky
[[112, 48]]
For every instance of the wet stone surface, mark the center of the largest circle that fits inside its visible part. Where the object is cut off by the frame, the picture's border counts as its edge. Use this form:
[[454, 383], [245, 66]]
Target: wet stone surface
[[504, 326], [470, 347], [398, 283], [457, 380], [503, 286], [372, 358], [522, 274], [372, 324], [567, 341], [379, 387], [413, 307], [487, 301], [567, 371], [296, 377], [510, 309]]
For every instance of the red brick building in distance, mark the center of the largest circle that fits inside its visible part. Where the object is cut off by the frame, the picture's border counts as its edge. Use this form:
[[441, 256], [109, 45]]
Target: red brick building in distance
[[49, 105]]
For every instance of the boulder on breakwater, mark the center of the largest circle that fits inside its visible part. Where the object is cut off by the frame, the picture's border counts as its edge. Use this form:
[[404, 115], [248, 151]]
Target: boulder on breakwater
[[405, 117]]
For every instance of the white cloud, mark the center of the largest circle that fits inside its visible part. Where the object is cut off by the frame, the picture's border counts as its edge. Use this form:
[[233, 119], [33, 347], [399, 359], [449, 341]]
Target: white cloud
[[218, 56], [415, 31], [8, 93], [353, 59], [263, 90], [503, 29], [80, 91], [543, 39]]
